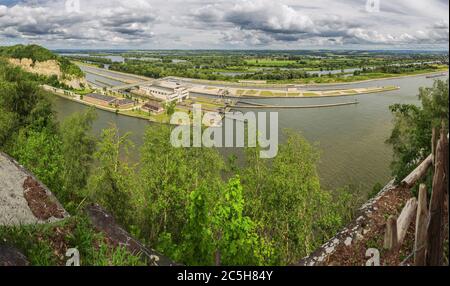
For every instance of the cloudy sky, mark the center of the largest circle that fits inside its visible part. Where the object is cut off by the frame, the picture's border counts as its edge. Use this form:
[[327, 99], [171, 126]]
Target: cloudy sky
[[226, 24]]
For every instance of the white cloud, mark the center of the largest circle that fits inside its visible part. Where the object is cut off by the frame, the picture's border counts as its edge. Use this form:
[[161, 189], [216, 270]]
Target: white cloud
[[225, 23]]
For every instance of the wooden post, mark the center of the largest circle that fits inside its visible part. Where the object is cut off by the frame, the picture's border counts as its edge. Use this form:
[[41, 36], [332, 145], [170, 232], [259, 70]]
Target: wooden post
[[445, 155], [405, 219], [390, 237], [435, 224], [434, 136], [420, 242]]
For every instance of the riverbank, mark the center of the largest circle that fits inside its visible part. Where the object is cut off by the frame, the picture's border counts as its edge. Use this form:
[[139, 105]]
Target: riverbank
[[264, 106], [136, 112], [293, 93], [379, 79], [155, 119], [285, 85]]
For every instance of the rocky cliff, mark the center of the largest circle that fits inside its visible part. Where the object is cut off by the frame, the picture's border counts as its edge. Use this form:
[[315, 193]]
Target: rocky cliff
[[49, 68]]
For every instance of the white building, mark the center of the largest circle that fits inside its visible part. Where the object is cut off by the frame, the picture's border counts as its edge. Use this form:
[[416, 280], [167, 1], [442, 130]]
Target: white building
[[165, 91]]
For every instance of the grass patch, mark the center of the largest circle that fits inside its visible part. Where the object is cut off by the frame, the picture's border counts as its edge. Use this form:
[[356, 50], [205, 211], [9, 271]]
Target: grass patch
[[266, 93], [269, 62], [46, 245], [332, 93], [251, 92]]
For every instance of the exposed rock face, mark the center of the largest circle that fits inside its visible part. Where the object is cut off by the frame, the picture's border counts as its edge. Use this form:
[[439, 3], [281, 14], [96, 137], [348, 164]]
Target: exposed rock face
[[351, 244], [77, 83], [104, 222], [23, 199], [353, 232], [48, 68], [9, 256]]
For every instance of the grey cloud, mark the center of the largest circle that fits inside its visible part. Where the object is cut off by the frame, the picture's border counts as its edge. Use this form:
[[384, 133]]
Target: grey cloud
[[47, 22], [227, 23], [283, 23]]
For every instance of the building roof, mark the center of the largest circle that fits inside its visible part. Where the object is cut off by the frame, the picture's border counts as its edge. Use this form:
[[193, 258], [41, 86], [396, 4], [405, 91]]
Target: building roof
[[153, 104], [124, 101], [169, 84], [162, 88], [166, 86], [110, 99], [103, 97]]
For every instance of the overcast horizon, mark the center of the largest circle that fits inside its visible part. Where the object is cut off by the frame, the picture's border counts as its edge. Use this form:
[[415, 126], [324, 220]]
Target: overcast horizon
[[226, 25]]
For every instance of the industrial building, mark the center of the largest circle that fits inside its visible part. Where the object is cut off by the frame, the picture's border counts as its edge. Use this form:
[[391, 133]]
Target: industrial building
[[165, 91]]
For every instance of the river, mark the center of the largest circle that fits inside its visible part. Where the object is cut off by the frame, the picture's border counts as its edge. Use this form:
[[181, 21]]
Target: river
[[351, 139]]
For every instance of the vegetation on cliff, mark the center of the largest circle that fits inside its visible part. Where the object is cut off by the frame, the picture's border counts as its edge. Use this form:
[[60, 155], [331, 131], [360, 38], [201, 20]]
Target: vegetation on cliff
[[39, 54], [412, 132]]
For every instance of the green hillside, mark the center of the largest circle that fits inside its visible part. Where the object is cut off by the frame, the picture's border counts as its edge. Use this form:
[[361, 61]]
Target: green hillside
[[38, 53]]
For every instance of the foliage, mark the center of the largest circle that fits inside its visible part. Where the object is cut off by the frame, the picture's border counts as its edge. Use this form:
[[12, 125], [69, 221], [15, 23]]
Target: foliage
[[168, 175], [411, 135], [170, 108], [113, 180], [285, 194], [41, 153], [237, 240], [218, 232], [45, 245], [278, 66], [375, 190], [78, 146]]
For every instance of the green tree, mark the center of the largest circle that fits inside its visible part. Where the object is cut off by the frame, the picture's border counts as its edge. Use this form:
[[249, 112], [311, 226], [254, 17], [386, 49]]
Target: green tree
[[169, 175], [236, 239], [285, 194], [8, 122], [22, 96], [197, 244], [40, 152], [217, 232], [113, 181], [78, 146], [170, 108], [411, 135]]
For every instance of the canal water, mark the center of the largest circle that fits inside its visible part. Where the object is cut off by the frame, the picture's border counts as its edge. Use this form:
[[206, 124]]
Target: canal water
[[351, 139]]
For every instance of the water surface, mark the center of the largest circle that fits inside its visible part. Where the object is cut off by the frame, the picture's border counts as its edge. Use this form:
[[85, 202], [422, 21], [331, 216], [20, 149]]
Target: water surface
[[351, 139]]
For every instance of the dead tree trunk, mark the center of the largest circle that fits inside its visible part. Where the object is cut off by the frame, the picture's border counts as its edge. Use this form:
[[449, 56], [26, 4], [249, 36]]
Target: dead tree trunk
[[418, 173], [434, 138]]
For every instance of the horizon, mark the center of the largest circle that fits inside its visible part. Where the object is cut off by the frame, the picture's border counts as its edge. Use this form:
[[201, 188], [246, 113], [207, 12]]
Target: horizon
[[241, 50]]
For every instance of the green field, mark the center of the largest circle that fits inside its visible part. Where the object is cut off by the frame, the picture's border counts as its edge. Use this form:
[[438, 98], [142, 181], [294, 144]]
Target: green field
[[269, 62]]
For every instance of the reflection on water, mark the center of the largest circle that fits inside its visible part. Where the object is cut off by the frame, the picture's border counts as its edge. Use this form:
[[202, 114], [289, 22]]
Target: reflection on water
[[350, 138]]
